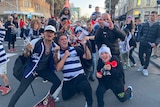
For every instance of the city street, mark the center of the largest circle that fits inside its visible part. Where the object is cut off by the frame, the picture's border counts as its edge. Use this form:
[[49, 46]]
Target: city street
[[146, 89]]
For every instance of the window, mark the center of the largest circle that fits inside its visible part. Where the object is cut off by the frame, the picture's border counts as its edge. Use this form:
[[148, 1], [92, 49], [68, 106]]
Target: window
[[138, 2], [26, 4], [147, 13], [148, 2], [36, 6]]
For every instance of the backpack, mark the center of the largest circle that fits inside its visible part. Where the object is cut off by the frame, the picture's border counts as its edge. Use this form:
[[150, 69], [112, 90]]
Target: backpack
[[20, 64]]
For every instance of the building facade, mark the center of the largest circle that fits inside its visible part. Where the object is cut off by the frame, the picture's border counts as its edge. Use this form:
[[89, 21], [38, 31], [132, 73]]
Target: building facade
[[137, 8], [25, 8], [75, 12]]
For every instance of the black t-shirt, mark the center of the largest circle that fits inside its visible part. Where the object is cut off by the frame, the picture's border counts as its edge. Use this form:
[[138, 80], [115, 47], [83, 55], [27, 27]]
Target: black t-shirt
[[44, 62], [86, 63], [93, 45]]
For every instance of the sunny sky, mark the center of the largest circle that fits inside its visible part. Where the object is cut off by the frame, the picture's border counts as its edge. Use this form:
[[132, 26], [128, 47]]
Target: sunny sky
[[84, 5]]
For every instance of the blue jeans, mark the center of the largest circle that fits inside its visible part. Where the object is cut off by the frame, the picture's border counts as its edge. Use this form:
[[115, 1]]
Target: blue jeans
[[131, 56], [94, 60]]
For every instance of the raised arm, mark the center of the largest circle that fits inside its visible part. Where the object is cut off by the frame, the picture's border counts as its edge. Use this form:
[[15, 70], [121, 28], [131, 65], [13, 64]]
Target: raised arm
[[61, 63]]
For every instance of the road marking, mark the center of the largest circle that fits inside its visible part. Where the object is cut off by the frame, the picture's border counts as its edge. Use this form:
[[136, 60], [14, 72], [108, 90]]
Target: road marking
[[11, 54]]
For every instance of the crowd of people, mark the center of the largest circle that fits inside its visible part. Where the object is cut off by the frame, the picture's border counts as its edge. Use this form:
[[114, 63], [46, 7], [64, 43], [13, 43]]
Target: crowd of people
[[73, 51]]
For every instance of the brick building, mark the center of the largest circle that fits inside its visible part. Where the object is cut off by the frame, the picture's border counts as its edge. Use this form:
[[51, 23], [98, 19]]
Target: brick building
[[24, 8]]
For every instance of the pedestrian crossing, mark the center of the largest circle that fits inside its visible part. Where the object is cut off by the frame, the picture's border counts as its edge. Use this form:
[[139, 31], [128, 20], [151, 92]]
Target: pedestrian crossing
[[15, 45], [11, 54]]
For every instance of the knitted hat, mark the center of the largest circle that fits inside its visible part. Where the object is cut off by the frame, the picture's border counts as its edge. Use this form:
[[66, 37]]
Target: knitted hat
[[106, 49]]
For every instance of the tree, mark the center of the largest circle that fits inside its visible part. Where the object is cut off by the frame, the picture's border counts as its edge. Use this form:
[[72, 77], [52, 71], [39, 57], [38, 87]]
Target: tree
[[55, 6], [84, 18], [113, 4]]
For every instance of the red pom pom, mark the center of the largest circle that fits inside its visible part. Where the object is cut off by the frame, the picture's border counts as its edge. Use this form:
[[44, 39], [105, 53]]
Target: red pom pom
[[113, 63]]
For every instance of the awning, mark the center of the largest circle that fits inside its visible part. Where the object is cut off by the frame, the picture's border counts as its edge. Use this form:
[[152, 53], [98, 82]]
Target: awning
[[24, 13]]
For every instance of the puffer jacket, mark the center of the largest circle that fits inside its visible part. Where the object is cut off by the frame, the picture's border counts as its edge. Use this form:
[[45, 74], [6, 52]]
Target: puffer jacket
[[149, 34]]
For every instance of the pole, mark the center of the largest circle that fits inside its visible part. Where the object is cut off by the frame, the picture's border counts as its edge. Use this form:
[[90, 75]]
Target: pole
[[53, 8], [17, 4], [110, 6], [142, 16]]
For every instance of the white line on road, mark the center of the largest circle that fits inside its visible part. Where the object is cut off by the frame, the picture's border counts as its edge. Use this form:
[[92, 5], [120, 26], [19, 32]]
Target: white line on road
[[11, 54]]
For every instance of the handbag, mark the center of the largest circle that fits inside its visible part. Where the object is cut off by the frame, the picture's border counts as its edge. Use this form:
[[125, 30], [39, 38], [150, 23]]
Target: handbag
[[14, 30]]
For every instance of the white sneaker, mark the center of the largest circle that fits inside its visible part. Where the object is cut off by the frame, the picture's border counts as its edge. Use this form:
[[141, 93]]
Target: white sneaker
[[131, 94], [140, 69], [145, 72], [45, 81]]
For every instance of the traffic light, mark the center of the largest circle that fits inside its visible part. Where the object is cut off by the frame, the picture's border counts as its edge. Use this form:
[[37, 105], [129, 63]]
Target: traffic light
[[90, 6], [158, 1]]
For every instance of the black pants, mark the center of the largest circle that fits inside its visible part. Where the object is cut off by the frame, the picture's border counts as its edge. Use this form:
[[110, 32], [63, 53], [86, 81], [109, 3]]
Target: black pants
[[147, 51], [78, 84], [22, 32], [131, 56], [11, 40], [25, 82], [117, 88]]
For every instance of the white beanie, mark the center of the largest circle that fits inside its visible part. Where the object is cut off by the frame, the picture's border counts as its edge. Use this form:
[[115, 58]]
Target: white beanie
[[106, 49]]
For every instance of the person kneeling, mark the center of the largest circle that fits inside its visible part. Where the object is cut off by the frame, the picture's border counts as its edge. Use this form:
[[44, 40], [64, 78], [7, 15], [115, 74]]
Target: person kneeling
[[111, 76]]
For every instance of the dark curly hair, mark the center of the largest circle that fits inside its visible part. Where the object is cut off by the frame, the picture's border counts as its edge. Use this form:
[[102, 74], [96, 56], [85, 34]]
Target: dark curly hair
[[62, 12]]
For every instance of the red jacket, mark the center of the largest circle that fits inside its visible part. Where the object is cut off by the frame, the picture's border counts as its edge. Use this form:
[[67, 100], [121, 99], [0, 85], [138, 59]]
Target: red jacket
[[21, 24]]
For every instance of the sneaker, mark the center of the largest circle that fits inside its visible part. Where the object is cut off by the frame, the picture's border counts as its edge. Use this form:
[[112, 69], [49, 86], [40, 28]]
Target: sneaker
[[14, 49], [6, 90], [124, 67], [128, 65], [10, 50], [91, 79], [1, 88], [134, 65], [131, 94], [140, 69], [44, 81], [145, 72], [56, 99]]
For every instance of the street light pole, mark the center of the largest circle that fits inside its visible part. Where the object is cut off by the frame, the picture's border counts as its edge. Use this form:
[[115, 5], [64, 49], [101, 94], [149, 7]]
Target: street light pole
[[110, 6], [53, 8], [142, 16]]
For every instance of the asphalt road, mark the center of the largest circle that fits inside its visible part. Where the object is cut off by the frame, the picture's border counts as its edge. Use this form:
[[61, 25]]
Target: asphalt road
[[146, 89]]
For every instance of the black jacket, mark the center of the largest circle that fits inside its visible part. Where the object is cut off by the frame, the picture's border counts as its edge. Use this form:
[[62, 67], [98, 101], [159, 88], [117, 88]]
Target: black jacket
[[149, 33], [110, 38], [132, 42], [117, 73]]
